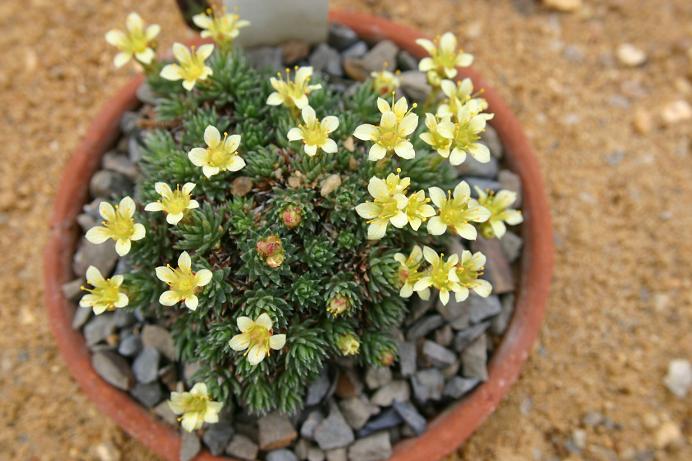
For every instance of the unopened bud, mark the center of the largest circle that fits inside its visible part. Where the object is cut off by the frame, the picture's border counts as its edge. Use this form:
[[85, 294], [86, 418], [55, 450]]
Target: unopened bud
[[338, 305], [348, 344], [271, 250], [291, 217], [387, 359]]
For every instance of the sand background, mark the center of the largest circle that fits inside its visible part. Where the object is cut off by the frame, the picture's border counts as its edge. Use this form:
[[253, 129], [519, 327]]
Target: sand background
[[619, 181]]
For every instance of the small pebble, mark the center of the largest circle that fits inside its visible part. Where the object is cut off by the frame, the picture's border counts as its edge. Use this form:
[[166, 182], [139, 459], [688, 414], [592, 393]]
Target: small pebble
[[679, 377], [630, 56]]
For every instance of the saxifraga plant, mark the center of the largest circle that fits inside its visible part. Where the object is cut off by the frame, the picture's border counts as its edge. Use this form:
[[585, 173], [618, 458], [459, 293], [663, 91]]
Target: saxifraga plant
[[278, 223]]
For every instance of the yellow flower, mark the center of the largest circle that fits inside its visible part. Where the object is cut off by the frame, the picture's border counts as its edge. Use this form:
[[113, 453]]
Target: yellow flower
[[397, 123], [384, 82], [417, 209], [196, 407], [456, 211], [458, 94], [315, 133], [439, 135], [468, 126], [183, 283], [219, 155], [409, 273], [292, 93], [106, 294], [388, 206], [444, 58], [441, 275], [500, 213], [190, 67], [222, 29], [174, 202], [135, 42], [256, 338], [348, 344], [119, 225], [469, 269]]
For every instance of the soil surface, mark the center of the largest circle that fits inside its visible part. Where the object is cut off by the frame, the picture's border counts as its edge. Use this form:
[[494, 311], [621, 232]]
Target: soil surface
[[617, 160]]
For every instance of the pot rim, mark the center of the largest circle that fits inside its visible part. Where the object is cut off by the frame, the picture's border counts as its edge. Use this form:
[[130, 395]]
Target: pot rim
[[450, 428]]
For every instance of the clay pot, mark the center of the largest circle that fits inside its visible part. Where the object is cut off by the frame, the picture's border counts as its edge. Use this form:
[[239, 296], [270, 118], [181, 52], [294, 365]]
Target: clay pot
[[450, 428]]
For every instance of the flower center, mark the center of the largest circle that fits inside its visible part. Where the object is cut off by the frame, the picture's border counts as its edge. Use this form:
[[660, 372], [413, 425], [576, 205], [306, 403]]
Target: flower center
[[259, 336], [137, 41], [389, 137], [218, 157], [106, 294], [196, 404], [193, 69], [121, 227], [185, 283], [440, 275], [314, 134], [451, 214], [177, 202], [464, 136]]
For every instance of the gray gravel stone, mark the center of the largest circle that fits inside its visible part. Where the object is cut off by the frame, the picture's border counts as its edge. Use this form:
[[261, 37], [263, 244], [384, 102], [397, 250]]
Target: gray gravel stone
[[482, 183], [72, 290], [337, 454], [275, 431], [376, 447], [146, 94], [481, 308], [99, 328], [418, 308], [265, 58], [160, 339], [307, 430], [472, 167], [376, 377], [301, 449], [128, 122], [511, 245], [341, 37], [130, 346], [387, 419], [499, 323], [458, 386], [318, 389], [397, 390], [444, 336], [106, 184], [327, 59], [135, 150], [428, 384], [147, 394], [407, 358], [146, 365], [414, 84], [491, 139], [411, 416], [102, 256], [424, 326], [120, 163], [438, 356], [456, 313], [81, 316], [113, 368], [406, 61], [334, 431], [242, 447], [124, 318], [381, 56], [163, 410], [511, 181], [356, 50], [468, 335], [281, 455], [474, 359], [315, 454], [217, 436], [86, 221], [189, 445], [357, 411]]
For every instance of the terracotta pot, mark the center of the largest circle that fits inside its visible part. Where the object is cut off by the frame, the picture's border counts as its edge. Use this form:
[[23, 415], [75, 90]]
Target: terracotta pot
[[446, 432]]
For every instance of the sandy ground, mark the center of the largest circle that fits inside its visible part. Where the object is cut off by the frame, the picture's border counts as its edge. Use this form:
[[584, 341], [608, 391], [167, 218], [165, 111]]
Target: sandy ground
[[618, 177]]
